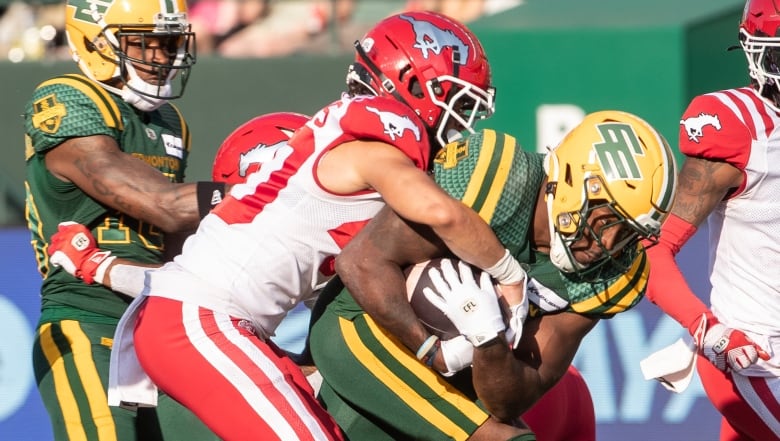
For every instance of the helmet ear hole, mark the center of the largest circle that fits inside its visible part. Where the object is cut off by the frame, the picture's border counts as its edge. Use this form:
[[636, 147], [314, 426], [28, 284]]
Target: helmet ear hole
[[89, 45], [438, 90], [415, 88]]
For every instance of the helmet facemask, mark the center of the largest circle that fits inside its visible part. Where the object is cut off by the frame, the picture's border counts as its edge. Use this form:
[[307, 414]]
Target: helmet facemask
[[174, 39], [763, 57], [464, 105], [571, 227], [103, 38]]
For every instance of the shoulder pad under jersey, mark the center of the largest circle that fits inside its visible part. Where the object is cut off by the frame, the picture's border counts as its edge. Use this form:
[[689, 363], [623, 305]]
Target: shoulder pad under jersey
[[720, 126], [612, 291], [490, 172], [70, 106], [387, 120]]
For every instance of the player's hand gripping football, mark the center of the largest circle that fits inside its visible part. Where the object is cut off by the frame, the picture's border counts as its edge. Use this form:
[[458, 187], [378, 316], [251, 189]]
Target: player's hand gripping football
[[472, 308], [74, 249], [727, 348]]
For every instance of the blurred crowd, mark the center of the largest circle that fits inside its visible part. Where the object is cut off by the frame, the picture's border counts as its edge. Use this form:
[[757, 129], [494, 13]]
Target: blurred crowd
[[34, 29]]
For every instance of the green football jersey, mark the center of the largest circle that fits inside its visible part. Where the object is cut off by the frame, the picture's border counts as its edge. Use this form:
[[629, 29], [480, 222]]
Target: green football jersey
[[74, 106]]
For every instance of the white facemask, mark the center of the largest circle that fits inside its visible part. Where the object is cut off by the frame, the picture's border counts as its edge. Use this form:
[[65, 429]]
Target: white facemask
[[559, 256], [140, 101]]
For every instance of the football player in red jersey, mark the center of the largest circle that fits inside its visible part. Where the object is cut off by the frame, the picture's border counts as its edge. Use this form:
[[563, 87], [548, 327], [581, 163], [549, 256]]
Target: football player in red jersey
[[731, 180], [418, 80], [574, 217]]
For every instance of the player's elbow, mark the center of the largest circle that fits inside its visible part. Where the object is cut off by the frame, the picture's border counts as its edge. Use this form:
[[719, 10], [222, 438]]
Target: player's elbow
[[508, 402], [503, 414], [447, 216], [346, 264]]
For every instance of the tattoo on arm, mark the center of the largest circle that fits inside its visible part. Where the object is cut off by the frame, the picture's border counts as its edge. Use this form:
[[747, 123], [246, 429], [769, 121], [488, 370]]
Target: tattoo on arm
[[702, 185]]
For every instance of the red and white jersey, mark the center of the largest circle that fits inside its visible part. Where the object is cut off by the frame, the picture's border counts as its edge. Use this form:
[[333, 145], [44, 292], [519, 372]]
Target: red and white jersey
[[737, 127], [272, 242]]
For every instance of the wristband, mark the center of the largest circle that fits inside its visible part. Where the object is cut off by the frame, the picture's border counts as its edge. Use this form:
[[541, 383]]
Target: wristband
[[209, 195], [426, 347], [507, 271], [431, 355], [100, 272]]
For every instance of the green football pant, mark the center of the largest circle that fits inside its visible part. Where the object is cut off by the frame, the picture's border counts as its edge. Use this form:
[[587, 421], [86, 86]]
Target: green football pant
[[376, 389], [71, 361]]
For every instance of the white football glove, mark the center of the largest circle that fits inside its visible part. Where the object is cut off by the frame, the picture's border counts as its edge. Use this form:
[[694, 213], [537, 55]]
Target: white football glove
[[457, 353], [519, 313], [727, 348], [473, 309]]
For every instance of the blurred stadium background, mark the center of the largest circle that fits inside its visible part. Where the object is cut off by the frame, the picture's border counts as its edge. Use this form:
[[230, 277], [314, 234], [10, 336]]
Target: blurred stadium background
[[553, 61]]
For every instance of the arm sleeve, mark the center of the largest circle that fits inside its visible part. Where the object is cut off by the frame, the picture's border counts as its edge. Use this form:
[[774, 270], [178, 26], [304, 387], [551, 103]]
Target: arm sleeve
[[667, 287]]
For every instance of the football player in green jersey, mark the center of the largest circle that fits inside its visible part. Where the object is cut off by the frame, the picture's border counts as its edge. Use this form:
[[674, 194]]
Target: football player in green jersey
[[107, 149], [575, 217]]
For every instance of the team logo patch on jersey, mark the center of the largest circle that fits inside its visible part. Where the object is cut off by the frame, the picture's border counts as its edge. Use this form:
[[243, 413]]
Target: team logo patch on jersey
[[430, 38], [151, 134], [395, 125], [48, 114], [451, 154], [694, 126]]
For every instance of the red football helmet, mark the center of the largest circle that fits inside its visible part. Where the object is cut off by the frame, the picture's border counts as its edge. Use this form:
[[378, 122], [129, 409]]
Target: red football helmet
[[758, 35], [244, 151], [430, 62]]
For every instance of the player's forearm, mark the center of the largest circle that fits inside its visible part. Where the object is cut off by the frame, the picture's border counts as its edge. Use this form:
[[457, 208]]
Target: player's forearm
[[126, 277], [471, 239], [506, 385], [379, 288], [371, 268], [667, 287]]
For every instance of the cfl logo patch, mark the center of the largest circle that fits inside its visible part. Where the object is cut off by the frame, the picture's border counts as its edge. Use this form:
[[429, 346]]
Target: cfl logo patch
[[721, 345], [80, 242], [469, 306]]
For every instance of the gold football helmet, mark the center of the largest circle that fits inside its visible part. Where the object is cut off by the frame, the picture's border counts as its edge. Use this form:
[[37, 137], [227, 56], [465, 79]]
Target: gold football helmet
[[611, 159], [97, 33]]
